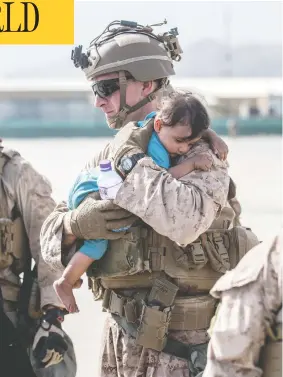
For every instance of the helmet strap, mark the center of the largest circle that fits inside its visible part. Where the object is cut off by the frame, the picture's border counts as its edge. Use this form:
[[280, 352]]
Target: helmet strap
[[118, 120]]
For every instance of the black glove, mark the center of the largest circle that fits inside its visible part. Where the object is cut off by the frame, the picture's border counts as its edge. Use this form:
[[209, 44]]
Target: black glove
[[49, 345]]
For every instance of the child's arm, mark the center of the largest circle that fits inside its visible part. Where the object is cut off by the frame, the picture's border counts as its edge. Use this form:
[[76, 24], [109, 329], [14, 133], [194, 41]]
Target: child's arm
[[218, 145], [199, 162], [182, 169]]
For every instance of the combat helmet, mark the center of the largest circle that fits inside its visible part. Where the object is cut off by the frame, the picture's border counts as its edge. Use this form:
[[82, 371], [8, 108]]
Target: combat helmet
[[129, 48]]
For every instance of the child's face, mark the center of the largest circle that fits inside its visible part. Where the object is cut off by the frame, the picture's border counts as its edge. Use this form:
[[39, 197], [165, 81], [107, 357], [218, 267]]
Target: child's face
[[176, 140]]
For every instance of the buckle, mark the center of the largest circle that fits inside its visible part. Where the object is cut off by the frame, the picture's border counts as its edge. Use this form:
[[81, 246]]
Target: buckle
[[197, 252]]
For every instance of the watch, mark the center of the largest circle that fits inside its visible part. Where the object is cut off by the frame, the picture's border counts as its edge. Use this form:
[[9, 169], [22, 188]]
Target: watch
[[128, 163]]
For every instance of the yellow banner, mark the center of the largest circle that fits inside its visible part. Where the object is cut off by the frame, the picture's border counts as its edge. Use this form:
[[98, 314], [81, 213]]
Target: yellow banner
[[37, 22]]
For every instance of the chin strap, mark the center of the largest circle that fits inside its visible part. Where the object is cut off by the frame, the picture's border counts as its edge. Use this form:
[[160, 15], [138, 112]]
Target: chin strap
[[118, 120]]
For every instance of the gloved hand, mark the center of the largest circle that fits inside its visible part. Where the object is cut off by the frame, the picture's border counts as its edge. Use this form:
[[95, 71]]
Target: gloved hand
[[95, 219], [49, 344], [130, 140]]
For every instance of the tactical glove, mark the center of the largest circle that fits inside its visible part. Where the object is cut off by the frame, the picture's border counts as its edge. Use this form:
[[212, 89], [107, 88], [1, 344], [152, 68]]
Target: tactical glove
[[95, 219]]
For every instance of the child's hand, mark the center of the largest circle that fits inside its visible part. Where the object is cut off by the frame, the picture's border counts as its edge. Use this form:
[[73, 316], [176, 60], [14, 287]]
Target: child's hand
[[202, 162], [219, 147]]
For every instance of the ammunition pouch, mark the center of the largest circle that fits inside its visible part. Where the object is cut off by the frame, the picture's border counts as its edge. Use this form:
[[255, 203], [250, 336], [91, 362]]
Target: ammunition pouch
[[130, 262], [137, 260], [14, 245], [151, 285], [150, 316], [150, 328], [155, 317], [153, 330], [188, 313]]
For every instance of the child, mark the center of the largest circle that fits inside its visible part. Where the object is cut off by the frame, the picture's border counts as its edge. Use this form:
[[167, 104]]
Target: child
[[181, 122]]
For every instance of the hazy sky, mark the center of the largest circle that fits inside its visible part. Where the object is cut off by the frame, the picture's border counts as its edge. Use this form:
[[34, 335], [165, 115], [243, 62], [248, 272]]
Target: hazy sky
[[255, 22], [250, 22]]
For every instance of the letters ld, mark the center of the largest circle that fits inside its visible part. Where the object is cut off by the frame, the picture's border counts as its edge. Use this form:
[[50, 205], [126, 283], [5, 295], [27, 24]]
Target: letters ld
[[27, 8]]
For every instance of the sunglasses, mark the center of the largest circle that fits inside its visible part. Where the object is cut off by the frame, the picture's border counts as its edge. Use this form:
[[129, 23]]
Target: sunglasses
[[104, 88]]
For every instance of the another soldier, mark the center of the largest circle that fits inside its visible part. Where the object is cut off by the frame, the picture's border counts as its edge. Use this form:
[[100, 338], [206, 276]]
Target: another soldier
[[246, 333], [25, 203], [155, 278]]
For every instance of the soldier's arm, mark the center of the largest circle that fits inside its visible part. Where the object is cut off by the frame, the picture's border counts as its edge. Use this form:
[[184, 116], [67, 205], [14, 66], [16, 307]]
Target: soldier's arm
[[58, 243], [250, 295], [179, 209], [34, 201]]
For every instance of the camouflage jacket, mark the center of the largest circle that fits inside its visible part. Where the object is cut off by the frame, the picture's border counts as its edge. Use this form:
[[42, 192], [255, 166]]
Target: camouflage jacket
[[30, 193], [251, 298], [180, 209]]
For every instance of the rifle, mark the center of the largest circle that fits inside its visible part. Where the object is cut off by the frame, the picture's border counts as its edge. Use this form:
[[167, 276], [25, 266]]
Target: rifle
[[26, 325]]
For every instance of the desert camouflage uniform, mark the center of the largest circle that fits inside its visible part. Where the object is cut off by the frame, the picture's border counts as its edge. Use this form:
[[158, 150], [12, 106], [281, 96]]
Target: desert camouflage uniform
[[29, 193], [181, 210], [251, 299]]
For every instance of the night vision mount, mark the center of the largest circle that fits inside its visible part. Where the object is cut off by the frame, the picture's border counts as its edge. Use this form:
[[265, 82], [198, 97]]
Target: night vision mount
[[169, 39]]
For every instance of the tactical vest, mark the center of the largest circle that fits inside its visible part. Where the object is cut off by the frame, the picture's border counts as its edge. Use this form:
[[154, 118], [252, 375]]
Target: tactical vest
[[145, 261], [271, 356], [151, 284], [14, 245]]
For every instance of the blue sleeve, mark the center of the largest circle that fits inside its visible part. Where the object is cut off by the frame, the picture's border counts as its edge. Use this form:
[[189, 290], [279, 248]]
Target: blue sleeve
[[157, 152], [94, 249], [85, 183]]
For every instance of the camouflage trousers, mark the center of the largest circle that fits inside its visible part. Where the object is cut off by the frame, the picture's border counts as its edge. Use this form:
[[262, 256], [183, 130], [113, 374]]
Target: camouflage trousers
[[121, 357]]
